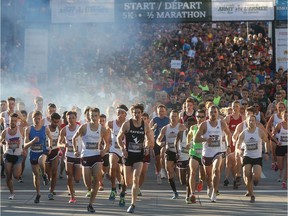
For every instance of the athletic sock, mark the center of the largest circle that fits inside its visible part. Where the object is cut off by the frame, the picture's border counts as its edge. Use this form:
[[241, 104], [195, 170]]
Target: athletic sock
[[172, 184]]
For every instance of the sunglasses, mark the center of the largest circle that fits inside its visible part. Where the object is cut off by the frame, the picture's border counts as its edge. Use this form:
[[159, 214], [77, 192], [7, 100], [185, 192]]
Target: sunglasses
[[200, 116]]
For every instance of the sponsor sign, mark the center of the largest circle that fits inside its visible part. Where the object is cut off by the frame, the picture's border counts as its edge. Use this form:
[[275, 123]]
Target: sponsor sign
[[176, 64], [236, 10], [281, 9], [83, 11], [281, 45]]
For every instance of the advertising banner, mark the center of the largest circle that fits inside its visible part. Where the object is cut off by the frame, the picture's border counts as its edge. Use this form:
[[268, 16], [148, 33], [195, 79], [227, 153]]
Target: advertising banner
[[84, 11], [281, 45], [237, 10], [281, 9]]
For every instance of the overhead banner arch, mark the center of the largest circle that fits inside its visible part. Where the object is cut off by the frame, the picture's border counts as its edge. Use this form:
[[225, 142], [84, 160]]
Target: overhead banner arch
[[119, 11]]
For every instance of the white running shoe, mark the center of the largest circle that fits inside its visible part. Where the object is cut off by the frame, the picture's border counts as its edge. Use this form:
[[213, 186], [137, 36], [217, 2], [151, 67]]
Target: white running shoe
[[163, 174], [213, 197], [11, 197]]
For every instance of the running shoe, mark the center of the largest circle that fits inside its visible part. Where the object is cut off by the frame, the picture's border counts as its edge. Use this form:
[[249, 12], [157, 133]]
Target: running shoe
[[122, 201], [20, 180], [11, 197], [163, 174], [45, 179], [276, 167], [247, 194], [72, 200], [226, 182], [193, 198], [213, 197], [284, 185], [101, 188], [37, 199], [50, 196], [279, 180], [54, 193], [139, 192], [209, 192], [159, 180], [131, 209], [90, 208], [112, 195], [88, 194], [188, 200], [175, 195], [218, 193], [200, 186], [252, 199]]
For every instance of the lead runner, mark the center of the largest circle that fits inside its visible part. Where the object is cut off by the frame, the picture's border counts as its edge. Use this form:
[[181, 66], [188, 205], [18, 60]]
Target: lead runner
[[135, 131]]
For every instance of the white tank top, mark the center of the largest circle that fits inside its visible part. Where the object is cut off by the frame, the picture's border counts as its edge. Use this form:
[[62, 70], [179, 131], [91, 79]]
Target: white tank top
[[171, 134], [69, 135], [252, 144], [276, 120], [216, 146], [91, 142], [13, 143], [184, 153], [114, 145], [283, 136], [55, 136], [258, 117]]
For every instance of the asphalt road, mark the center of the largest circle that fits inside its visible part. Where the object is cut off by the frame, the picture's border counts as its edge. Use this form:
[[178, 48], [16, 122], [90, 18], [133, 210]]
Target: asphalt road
[[271, 199]]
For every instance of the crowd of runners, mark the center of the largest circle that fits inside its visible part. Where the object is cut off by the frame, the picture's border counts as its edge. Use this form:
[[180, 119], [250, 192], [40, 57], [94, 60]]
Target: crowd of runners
[[194, 145]]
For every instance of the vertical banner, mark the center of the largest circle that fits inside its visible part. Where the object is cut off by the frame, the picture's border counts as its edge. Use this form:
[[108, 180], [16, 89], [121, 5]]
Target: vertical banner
[[281, 9], [36, 51], [281, 46]]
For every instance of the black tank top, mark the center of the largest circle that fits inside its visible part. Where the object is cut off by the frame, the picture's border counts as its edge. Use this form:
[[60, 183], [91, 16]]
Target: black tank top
[[135, 138]]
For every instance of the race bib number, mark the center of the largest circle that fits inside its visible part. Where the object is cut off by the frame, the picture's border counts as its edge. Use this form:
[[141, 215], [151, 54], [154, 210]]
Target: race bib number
[[70, 149], [283, 138], [135, 147], [37, 147], [92, 145], [54, 142], [198, 151], [13, 144], [170, 145], [215, 141], [251, 146], [184, 150]]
